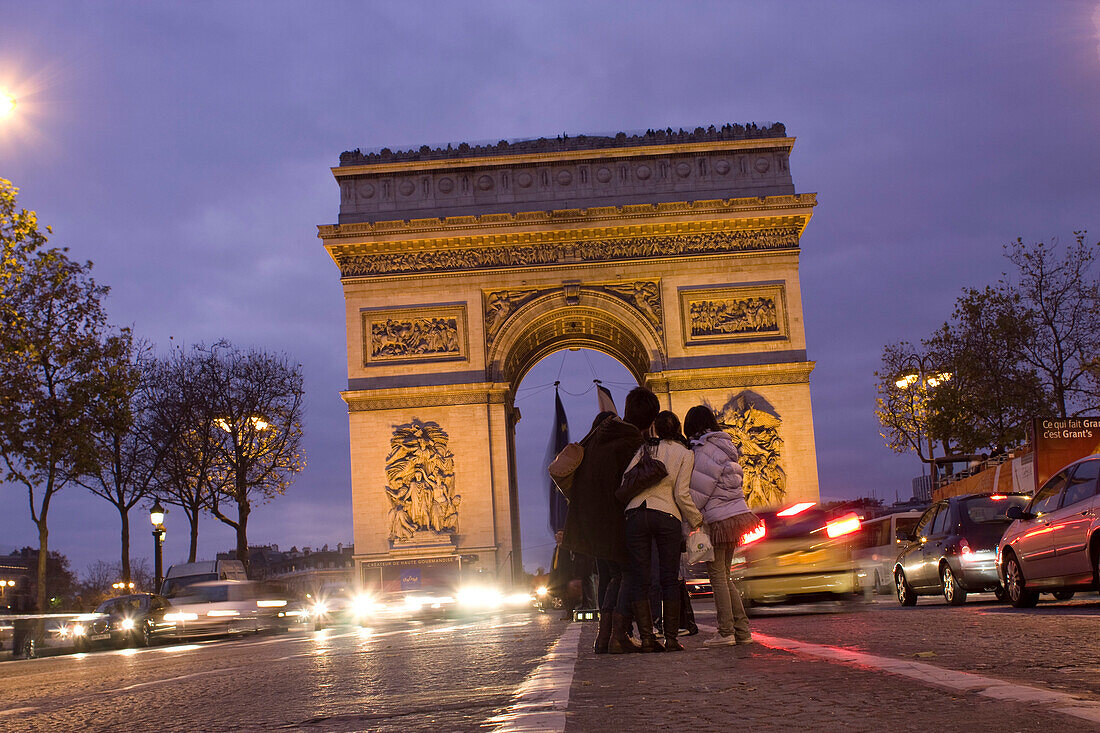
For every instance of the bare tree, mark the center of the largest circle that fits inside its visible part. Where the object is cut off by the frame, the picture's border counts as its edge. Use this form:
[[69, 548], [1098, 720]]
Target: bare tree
[[129, 450], [1055, 296], [189, 471], [255, 399]]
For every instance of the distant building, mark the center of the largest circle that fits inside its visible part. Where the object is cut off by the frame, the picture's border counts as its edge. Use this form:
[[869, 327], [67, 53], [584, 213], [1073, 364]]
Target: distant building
[[304, 570]]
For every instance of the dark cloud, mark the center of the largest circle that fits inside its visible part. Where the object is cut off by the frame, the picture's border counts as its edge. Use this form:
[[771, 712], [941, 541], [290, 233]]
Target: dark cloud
[[185, 149]]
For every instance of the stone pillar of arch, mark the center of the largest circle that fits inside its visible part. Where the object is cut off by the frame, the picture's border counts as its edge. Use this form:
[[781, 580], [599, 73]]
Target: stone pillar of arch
[[675, 253]]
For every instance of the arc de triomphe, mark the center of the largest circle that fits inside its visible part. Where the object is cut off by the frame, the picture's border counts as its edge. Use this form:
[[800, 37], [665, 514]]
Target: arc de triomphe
[[674, 252]]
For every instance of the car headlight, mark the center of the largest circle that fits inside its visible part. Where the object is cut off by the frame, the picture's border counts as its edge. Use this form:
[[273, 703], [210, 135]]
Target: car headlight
[[541, 591], [126, 624], [480, 597], [79, 630], [319, 608], [362, 605]]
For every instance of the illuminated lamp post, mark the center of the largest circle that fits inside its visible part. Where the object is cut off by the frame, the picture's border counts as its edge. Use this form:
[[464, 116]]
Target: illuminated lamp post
[[156, 516], [924, 378]]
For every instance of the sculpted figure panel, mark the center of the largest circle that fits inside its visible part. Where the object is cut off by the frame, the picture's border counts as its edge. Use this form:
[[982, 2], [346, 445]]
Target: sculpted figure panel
[[722, 315], [414, 334], [755, 430], [420, 481]]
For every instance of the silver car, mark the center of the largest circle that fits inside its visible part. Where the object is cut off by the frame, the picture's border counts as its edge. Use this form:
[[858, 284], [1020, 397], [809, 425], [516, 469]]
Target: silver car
[[1054, 544]]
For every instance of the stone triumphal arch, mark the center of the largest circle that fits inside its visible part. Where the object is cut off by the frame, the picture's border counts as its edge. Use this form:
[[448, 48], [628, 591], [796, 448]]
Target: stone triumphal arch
[[675, 252]]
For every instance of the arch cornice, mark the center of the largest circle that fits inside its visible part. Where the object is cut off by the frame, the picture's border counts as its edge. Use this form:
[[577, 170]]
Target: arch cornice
[[582, 318]]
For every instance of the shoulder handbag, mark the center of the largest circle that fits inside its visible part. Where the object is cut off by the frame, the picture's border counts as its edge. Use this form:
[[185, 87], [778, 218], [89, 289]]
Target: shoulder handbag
[[565, 464], [643, 475]]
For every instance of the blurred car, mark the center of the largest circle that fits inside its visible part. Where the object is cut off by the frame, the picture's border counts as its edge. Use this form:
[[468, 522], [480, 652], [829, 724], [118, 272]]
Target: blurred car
[[181, 575], [952, 550], [882, 546], [340, 605], [1053, 544], [697, 581], [799, 554], [133, 620], [225, 606]]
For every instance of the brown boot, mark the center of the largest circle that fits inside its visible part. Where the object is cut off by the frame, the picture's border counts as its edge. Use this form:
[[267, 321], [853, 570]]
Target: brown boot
[[620, 643], [671, 613], [643, 615], [603, 635]]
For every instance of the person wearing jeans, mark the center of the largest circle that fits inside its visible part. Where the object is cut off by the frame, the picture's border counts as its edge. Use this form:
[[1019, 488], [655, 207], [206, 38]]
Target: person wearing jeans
[[716, 487], [656, 516]]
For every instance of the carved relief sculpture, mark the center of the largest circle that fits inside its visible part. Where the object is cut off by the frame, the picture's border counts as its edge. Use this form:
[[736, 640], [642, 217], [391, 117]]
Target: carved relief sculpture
[[414, 337], [420, 481], [722, 315], [642, 295], [755, 432], [414, 334], [478, 258]]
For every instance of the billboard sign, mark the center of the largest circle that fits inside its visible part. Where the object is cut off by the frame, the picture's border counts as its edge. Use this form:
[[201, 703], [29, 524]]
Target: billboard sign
[[1059, 441]]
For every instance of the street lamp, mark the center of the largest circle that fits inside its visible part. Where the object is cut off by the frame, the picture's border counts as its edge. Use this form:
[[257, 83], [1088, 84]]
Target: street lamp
[[8, 103], [923, 378], [156, 516]]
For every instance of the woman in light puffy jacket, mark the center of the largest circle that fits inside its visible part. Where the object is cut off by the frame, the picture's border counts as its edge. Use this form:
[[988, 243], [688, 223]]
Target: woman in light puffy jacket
[[716, 488]]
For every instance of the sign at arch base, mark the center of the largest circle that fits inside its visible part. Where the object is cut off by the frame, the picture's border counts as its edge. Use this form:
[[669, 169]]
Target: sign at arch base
[[677, 253]]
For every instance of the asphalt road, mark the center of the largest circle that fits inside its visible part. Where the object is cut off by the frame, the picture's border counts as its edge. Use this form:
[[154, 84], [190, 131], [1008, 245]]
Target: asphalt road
[[984, 666]]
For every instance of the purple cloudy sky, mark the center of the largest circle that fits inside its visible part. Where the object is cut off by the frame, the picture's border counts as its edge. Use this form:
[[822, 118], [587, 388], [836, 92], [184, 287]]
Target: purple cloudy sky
[[185, 148]]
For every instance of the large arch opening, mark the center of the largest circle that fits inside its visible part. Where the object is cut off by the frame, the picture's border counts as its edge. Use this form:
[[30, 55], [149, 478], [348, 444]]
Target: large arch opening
[[576, 369]]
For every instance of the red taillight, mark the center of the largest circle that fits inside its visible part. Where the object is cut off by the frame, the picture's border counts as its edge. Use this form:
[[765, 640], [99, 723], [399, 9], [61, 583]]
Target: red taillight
[[796, 509], [845, 525], [754, 534], [964, 547], [996, 497]]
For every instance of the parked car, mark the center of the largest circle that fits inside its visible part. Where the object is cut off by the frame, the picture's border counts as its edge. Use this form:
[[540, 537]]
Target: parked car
[[953, 548], [1053, 546], [880, 554], [799, 554], [133, 620]]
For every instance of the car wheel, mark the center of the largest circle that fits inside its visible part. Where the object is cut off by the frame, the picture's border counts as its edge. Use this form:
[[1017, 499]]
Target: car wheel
[[143, 636], [906, 595], [953, 593], [1000, 593], [1063, 595], [1016, 585]]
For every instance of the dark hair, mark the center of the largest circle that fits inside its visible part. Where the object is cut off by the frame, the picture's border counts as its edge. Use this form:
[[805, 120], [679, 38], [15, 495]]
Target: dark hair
[[700, 419], [601, 417], [642, 407], [667, 426]]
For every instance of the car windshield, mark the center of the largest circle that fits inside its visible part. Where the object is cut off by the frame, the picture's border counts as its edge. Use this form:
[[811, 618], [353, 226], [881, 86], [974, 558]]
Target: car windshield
[[990, 510]]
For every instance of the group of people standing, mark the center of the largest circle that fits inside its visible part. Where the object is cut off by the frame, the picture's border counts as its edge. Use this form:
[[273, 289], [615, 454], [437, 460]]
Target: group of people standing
[[702, 490]]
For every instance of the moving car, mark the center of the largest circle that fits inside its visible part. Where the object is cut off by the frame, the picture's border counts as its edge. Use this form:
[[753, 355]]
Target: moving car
[[802, 553], [181, 575], [1053, 546], [133, 620], [953, 548], [225, 606], [880, 554]]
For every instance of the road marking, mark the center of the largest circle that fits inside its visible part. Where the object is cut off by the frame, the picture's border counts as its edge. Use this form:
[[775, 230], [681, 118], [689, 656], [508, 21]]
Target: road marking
[[541, 701], [938, 676], [16, 711]]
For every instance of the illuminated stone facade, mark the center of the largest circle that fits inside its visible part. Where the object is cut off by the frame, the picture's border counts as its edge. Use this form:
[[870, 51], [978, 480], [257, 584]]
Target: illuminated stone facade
[[676, 253]]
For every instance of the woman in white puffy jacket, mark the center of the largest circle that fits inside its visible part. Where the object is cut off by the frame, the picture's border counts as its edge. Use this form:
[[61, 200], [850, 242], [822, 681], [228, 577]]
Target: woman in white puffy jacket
[[716, 488]]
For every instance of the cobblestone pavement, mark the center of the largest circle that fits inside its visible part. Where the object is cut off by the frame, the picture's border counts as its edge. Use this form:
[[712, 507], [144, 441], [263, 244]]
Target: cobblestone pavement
[[481, 674], [443, 676]]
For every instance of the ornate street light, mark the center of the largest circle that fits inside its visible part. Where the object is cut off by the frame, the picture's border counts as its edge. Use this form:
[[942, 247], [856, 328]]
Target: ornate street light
[[156, 516]]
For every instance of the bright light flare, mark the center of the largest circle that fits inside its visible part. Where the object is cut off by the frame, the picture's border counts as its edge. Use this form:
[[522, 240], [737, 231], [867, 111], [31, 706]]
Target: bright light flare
[[223, 612], [270, 604], [8, 103], [845, 525], [127, 624], [796, 509], [541, 591], [181, 616], [481, 597], [79, 630], [754, 534], [363, 605]]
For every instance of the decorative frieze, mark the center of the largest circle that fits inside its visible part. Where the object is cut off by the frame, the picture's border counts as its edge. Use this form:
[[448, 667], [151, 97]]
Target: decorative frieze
[[552, 253], [733, 313], [416, 333], [754, 428]]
